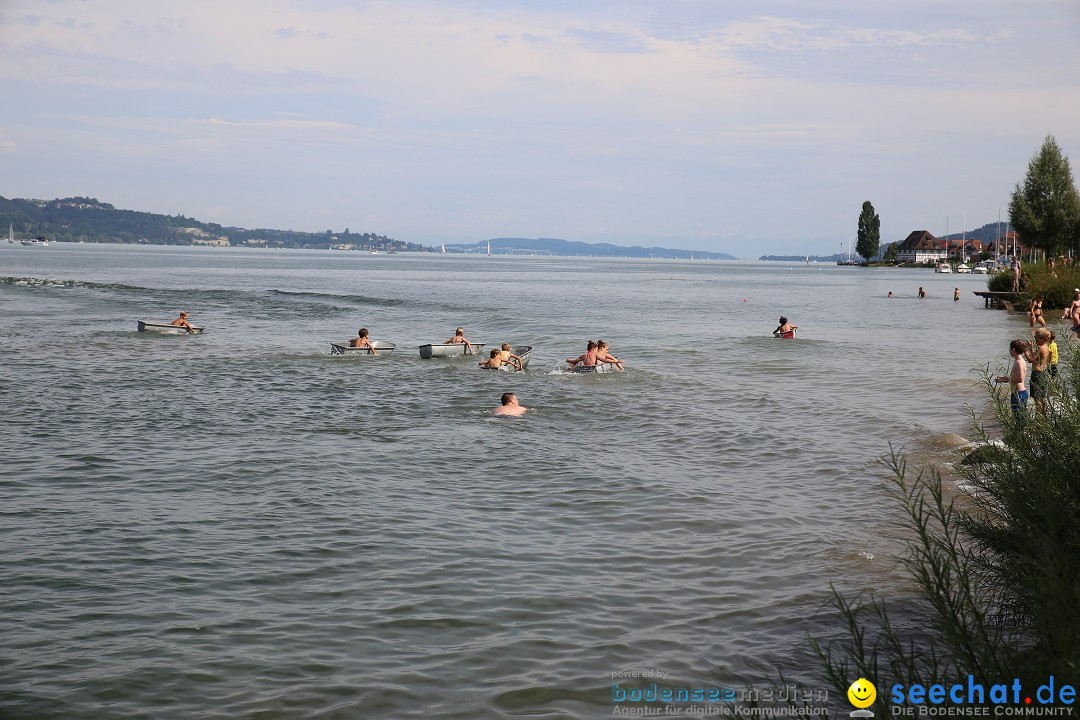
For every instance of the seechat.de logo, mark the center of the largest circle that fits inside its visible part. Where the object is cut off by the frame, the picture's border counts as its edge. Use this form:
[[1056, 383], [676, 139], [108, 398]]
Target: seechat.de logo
[[862, 695]]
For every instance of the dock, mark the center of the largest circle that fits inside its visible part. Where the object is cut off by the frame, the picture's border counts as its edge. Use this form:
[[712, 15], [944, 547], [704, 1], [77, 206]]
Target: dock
[[997, 299]]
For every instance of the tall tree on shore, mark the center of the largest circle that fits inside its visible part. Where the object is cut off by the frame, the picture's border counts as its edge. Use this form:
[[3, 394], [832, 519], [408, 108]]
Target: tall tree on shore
[[869, 232], [1045, 208]]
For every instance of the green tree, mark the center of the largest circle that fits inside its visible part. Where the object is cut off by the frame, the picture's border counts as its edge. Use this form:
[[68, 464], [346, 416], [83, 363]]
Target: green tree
[[892, 254], [1045, 208], [869, 232]]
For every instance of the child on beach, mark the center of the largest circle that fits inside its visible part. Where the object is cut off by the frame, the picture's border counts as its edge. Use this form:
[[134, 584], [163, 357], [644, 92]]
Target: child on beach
[[956, 294], [785, 330], [1039, 357], [1017, 375], [1053, 355]]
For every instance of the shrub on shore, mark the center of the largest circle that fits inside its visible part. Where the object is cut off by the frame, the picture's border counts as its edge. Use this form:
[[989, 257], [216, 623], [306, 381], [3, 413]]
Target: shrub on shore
[[996, 575], [1035, 279]]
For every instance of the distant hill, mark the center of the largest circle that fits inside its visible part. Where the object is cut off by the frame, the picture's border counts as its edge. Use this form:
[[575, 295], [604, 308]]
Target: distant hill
[[86, 219], [812, 258], [984, 234], [554, 246]]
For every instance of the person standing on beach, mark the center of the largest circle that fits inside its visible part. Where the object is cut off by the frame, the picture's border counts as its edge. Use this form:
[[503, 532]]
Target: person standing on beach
[[1015, 275], [1035, 312], [1017, 375], [1073, 313], [509, 407], [1039, 357]]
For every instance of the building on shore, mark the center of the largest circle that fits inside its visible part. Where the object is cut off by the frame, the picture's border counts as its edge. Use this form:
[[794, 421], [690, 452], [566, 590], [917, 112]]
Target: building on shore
[[920, 247]]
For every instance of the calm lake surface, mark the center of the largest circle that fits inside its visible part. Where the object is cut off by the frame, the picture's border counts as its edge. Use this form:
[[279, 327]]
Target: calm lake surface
[[238, 524]]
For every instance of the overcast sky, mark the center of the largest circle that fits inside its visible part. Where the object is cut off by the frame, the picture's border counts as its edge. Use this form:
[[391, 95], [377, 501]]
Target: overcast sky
[[745, 127]]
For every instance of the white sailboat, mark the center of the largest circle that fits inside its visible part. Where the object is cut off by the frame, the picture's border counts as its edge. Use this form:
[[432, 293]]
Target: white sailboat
[[442, 249], [10, 234], [489, 248], [849, 261], [963, 266]]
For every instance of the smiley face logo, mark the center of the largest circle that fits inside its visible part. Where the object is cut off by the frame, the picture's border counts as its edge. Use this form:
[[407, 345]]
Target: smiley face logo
[[862, 693]]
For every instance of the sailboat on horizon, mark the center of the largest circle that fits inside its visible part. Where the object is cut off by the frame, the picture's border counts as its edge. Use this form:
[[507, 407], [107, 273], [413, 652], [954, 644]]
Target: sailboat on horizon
[[849, 261], [489, 248], [442, 249], [963, 266], [11, 234]]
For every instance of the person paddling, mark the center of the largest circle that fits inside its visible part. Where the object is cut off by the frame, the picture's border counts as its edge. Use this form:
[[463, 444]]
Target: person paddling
[[361, 340], [459, 339], [785, 330], [587, 359], [182, 321]]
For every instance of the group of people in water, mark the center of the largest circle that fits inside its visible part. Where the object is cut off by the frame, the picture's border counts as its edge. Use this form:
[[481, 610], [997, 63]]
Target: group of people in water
[[596, 353]]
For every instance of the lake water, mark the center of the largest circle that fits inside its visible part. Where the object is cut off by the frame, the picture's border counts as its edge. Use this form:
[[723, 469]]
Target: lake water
[[238, 524]]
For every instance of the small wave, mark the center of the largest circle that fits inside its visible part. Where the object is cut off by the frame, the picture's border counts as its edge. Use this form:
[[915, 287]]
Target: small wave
[[354, 299], [79, 284]]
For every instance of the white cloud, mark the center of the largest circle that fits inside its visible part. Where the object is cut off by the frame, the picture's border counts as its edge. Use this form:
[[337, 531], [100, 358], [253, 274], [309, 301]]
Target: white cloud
[[621, 115]]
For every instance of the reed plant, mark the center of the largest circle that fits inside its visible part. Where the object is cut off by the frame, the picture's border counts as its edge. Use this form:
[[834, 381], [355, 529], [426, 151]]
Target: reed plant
[[995, 573]]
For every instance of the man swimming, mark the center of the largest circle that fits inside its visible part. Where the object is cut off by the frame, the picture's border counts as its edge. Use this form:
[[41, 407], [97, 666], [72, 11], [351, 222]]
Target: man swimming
[[509, 407]]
